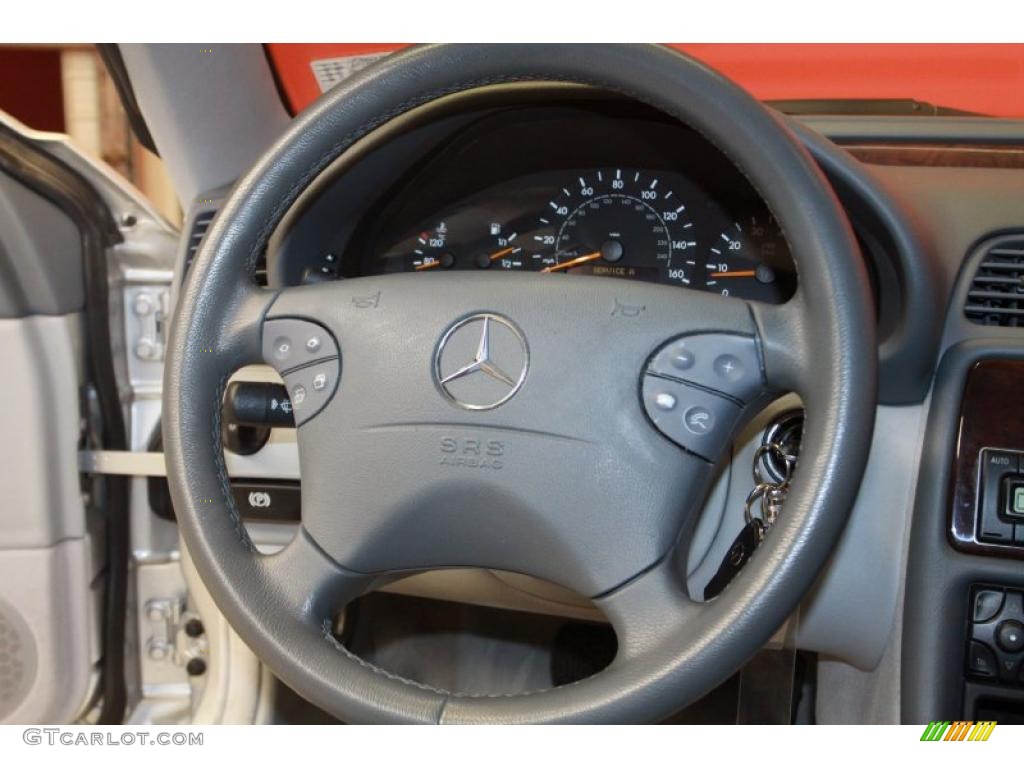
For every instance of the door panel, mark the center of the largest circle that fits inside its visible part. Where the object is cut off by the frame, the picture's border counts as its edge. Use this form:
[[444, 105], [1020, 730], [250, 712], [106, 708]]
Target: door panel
[[48, 653], [40, 255], [61, 534]]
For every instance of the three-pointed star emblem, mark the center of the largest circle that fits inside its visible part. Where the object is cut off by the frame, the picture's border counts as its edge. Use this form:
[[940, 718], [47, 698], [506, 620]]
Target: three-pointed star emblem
[[509, 370], [482, 361]]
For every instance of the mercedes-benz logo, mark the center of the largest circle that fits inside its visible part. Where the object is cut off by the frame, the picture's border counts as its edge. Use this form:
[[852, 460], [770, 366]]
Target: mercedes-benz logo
[[481, 361]]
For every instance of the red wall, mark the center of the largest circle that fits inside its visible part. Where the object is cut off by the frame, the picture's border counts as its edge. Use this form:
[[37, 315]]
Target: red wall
[[988, 79], [30, 87]]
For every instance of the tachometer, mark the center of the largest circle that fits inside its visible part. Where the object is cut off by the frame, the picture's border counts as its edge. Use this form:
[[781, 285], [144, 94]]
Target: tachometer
[[616, 222], [750, 259]]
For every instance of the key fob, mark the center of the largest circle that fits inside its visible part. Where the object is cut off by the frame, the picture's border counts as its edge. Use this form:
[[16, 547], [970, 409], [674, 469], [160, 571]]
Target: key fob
[[739, 553]]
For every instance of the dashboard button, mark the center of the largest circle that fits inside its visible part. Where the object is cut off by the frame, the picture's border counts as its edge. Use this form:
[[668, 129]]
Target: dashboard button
[[1013, 497], [987, 604], [311, 388], [290, 343], [724, 362], [1009, 668], [699, 421], [1010, 636], [995, 467], [981, 661], [276, 501]]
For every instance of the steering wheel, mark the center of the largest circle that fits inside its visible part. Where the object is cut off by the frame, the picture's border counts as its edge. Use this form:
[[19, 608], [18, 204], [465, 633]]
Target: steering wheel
[[565, 428]]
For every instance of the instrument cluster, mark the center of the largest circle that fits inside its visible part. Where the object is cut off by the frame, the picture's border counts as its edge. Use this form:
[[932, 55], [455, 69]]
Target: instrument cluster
[[587, 186], [615, 221]]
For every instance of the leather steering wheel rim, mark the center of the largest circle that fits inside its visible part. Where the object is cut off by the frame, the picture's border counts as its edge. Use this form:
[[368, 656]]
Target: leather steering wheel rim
[[820, 344]]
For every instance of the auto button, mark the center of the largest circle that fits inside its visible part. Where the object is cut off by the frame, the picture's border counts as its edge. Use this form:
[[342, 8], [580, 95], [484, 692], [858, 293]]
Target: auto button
[[996, 467]]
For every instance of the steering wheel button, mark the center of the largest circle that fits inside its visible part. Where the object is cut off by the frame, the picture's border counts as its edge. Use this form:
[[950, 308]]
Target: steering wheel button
[[725, 362], [665, 401], [311, 388], [700, 421], [282, 348], [729, 368], [682, 359], [290, 343]]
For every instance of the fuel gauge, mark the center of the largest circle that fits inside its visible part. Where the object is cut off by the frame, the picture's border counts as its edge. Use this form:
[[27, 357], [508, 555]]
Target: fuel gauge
[[502, 251]]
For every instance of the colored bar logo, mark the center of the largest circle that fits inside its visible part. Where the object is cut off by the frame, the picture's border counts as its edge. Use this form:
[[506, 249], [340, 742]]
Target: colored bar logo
[[960, 730]]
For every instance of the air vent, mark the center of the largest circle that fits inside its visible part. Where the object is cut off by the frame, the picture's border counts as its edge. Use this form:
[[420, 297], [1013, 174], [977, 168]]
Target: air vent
[[996, 296], [199, 227], [259, 273]]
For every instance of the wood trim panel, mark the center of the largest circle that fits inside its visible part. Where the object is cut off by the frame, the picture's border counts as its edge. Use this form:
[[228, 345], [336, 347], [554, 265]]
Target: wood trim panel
[[990, 417], [934, 155]]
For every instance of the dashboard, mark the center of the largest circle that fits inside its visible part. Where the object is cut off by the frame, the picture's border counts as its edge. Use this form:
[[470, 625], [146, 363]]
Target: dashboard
[[557, 191]]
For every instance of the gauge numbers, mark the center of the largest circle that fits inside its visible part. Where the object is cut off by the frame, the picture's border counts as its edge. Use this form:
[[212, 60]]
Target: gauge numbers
[[620, 222], [503, 251], [616, 222], [749, 260], [430, 249]]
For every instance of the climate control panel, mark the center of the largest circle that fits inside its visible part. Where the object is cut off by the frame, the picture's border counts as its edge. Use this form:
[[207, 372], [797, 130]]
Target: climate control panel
[[996, 647]]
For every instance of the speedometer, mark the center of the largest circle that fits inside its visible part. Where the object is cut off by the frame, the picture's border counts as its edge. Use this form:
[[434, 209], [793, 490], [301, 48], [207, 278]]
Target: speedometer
[[616, 222]]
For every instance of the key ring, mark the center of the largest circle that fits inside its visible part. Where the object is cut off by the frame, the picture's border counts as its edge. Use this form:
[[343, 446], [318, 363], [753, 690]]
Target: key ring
[[776, 450], [757, 493], [771, 503], [771, 495]]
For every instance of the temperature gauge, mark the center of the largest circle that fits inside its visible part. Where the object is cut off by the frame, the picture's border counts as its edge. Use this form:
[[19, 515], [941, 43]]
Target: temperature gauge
[[430, 250]]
